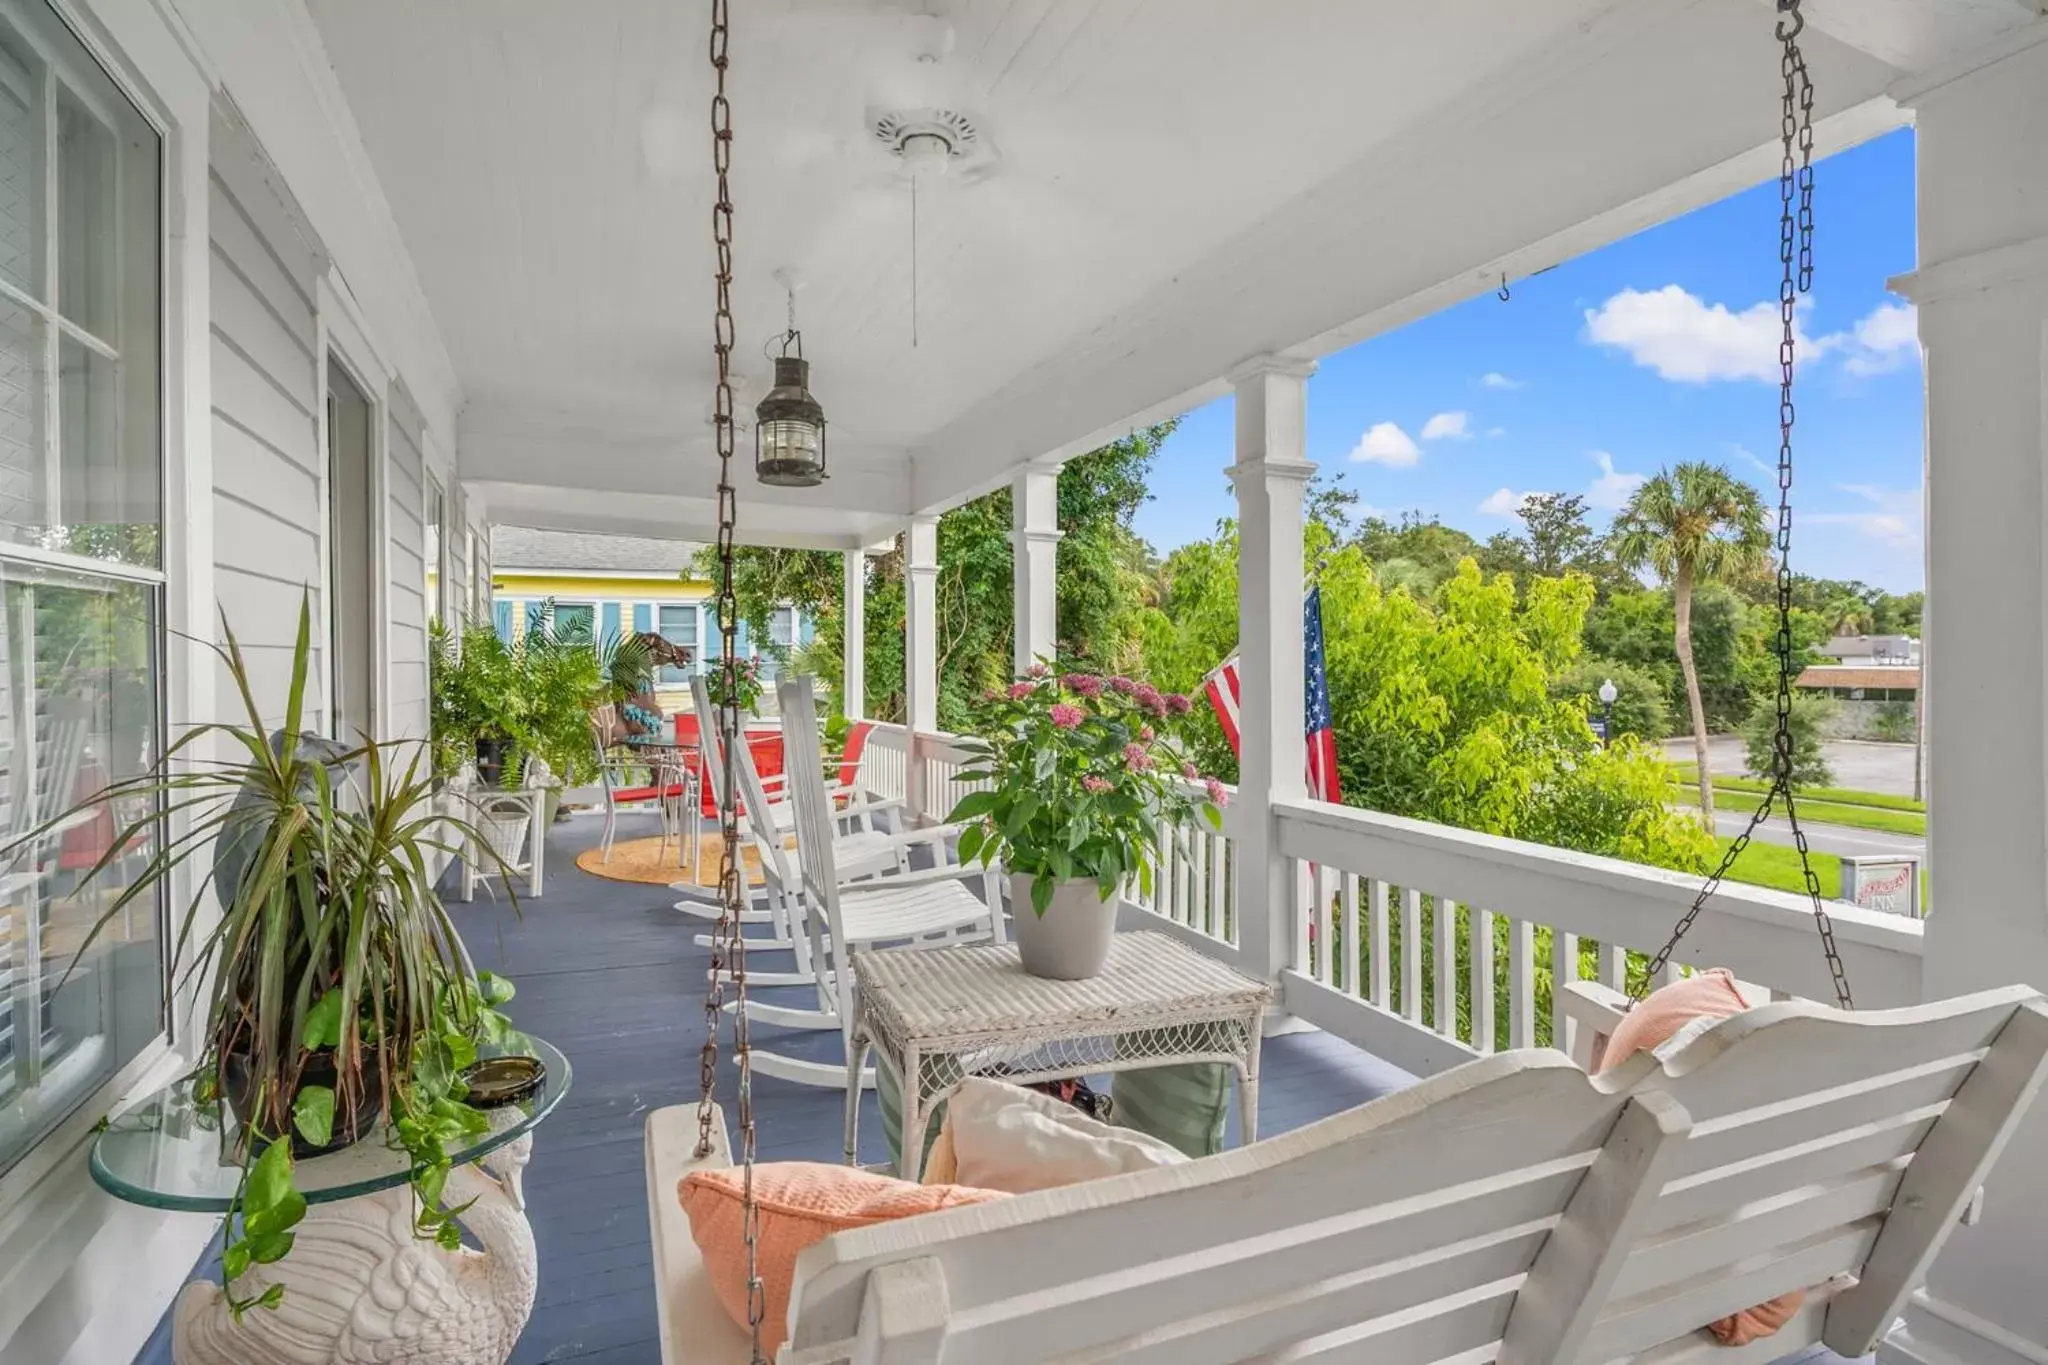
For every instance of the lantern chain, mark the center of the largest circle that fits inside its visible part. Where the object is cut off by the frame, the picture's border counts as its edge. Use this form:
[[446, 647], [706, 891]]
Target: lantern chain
[[728, 953], [1795, 259]]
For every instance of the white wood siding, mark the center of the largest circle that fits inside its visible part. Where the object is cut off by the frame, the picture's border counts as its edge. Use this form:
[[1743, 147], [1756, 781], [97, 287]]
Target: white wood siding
[[406, 633], [266, 447]]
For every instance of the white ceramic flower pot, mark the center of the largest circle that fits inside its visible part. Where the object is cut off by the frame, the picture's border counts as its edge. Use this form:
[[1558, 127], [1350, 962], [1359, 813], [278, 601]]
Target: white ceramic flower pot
[[1070, 941]]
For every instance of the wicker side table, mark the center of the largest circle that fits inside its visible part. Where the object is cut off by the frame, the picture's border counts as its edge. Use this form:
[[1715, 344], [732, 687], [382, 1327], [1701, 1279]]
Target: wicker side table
[[935, 1016]]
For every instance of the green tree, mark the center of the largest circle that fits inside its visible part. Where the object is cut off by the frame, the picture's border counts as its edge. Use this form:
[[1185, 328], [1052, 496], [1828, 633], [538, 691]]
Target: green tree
[[1692, 524], [1807, 723], [1558, 536], [1641, 708]]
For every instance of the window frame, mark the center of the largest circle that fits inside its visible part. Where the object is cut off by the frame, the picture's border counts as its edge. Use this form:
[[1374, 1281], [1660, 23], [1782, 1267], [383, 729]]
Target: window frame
[[173, 101], [341, 337]]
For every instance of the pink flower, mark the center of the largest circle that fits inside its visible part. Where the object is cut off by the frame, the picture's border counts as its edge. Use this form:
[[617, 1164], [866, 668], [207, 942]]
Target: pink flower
[[1149, 698], [1020, 690], [1036, 671], [1136, 757], [1216, 793], [1092, 783], [1190, 771], [1122, 684], [990, 694], [1087, 684], [1066, 717], [1178, 704], [1145, 733]]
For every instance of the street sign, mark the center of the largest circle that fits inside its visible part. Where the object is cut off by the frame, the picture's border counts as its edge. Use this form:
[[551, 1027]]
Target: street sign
[[1887, 884], [1599, 724]]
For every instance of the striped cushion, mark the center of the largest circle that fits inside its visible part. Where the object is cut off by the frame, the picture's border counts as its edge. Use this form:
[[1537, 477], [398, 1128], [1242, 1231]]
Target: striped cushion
[[890, 1100]]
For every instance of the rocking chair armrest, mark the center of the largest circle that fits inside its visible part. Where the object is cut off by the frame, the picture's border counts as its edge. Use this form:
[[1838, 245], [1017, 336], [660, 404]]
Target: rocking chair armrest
[[1597, 1010], [925, 877], [921, 834]]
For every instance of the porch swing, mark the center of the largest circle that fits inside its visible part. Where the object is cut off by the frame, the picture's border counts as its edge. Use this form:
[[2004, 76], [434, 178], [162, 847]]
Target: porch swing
[[1514, 1209]]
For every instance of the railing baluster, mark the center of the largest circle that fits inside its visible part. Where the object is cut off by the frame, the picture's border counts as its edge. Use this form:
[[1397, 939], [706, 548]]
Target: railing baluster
[[1444, 945], [1564, 969], [1672, 972], [1355, 930], [1382, 955], [1521, 983], [1411, 954], [1299, 894], [1198, 881], [1184, 882], [1326, 935], [1480, 928], [1614, 966], [1219, 886]]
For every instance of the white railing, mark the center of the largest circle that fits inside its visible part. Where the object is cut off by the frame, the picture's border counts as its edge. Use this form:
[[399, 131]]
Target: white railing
[[1192, 889], [1426, 945]]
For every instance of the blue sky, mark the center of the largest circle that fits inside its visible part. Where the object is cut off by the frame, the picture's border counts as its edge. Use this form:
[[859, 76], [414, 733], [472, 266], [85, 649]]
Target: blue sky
[[1659, 348]]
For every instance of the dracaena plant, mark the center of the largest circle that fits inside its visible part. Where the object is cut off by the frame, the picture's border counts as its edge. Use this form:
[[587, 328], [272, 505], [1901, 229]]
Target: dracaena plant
[[1081, 772], [338, 997]]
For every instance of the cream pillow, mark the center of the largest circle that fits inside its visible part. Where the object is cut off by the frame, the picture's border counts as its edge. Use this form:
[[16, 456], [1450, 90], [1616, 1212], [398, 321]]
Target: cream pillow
[[999, 1136]]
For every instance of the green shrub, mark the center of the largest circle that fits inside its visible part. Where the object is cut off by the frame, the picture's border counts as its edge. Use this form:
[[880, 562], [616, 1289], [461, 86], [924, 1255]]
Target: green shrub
[[1640, 708], [1808, 725], [1894, 722]]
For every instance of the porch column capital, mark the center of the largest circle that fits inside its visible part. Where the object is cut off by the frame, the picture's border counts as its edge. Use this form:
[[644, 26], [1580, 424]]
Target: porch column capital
[[1271, 363]]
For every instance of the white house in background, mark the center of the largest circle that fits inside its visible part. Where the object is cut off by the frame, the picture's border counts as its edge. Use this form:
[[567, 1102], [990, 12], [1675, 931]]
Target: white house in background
[[1872, 651], [301, 296]]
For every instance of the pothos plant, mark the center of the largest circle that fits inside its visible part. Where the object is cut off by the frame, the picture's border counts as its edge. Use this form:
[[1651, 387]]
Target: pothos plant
[[1082, 771], [339, 999]]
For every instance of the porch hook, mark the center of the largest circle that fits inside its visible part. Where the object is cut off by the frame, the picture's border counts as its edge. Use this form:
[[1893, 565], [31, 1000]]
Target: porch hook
[[1502, 292]]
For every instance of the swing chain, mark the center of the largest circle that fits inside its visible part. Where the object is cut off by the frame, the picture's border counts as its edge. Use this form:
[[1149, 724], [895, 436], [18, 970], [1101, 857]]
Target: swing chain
[[1795, 257], [728, 951]]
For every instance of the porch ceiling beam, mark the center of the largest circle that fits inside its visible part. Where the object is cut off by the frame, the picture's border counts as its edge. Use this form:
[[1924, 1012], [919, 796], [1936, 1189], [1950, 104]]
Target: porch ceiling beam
[[1434, 215], [555, 507]]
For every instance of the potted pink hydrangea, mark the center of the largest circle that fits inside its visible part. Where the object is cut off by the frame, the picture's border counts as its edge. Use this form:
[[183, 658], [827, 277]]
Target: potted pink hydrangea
[[1081, 771]]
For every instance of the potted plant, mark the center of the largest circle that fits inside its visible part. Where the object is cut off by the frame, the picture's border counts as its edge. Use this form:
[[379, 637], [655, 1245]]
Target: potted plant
[[477, 702], [338, 999], [1082, 772], [746, 674]]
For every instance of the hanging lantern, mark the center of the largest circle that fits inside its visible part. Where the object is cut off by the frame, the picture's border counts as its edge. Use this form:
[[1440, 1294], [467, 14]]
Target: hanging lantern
[[789, 426]]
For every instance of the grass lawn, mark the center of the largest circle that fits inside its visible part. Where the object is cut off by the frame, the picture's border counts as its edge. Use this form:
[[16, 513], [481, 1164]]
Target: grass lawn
[[1777, 866], [1810, 808], [1688, 774]]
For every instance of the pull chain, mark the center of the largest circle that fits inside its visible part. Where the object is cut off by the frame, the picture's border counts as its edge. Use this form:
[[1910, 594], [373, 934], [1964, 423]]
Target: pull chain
[[729, 951], [1795, 258]]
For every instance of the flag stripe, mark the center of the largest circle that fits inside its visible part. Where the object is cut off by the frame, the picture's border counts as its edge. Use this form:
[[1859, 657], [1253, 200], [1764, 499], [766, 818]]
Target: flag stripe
[[1223, 688]]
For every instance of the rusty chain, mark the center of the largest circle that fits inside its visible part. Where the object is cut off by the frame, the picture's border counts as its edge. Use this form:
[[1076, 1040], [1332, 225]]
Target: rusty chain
[[729, 949], [1795, 257]]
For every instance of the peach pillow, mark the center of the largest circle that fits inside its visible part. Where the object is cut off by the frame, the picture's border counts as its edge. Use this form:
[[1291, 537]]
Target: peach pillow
[[1667, 1012], [799, 1202]]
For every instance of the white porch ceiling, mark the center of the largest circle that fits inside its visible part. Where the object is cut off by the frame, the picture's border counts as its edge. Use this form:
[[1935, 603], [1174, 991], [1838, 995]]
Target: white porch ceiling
[[1180, 184]]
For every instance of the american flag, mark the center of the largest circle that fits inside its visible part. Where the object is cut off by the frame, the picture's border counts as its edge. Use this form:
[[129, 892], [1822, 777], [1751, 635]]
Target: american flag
[[1221, 687]]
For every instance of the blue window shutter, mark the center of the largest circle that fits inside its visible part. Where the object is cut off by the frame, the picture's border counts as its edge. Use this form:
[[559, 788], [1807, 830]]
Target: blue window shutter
[[714, 638], [808, 632], [643, 617], [501, 615], [608, 615]]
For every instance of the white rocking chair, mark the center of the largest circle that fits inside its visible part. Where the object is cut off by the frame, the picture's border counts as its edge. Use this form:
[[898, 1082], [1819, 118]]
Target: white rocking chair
[[1513, 1209], [857, 854]]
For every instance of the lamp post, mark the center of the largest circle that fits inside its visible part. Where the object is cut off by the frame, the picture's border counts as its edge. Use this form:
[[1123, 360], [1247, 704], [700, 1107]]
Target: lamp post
[[1608, 693]]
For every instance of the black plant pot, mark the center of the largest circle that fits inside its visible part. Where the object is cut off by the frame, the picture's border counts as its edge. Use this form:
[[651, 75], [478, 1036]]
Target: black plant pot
[[490, 761], [319, 1069]]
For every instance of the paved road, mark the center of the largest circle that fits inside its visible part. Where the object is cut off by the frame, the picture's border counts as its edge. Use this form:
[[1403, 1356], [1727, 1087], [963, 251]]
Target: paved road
[[1837, 839], [1860, 764]]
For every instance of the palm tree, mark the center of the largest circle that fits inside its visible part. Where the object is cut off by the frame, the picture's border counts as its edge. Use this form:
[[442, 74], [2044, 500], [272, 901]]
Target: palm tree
[[1694, 523]]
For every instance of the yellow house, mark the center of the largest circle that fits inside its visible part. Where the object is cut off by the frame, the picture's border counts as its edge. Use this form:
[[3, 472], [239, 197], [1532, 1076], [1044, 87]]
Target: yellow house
[[623, 584]]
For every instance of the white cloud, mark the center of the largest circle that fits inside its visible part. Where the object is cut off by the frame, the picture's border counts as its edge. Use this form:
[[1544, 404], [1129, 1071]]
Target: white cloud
[[1496, 431], [1448, 426], [1684, 338], [1387, 444], [1503, 502], [1494, 379], [1895, 520], [1614, 487], [1750, 457], [1886, 340]]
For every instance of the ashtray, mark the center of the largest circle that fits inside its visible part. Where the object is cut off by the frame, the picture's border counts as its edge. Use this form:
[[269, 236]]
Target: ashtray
[[497, 1081]]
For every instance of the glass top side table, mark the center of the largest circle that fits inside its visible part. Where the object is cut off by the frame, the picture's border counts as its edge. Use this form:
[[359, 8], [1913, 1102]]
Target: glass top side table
[[357, 1283]]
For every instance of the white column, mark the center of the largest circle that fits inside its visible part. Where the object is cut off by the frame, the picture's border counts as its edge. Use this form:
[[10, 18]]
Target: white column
[[921, 623], [1982, 292], [853, 607], [1034, 550], [1271, 471]]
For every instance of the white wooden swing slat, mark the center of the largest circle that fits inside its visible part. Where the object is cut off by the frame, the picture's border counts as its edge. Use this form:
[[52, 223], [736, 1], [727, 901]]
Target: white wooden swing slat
[[1513, 1209]]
